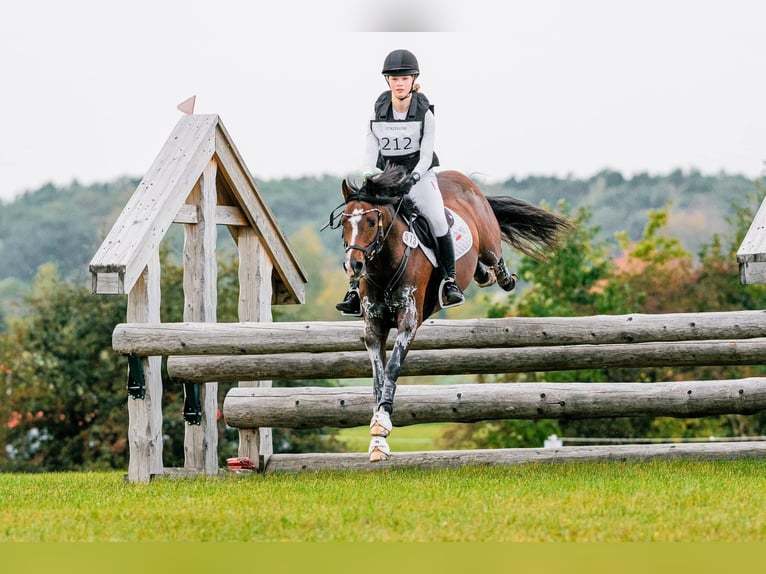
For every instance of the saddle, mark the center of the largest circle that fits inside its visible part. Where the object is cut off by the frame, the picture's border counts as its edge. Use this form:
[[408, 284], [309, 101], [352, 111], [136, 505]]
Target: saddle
[[423, 231], [424, 237]]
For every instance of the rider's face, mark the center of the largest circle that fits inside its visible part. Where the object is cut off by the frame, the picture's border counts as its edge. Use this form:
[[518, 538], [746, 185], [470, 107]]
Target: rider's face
[[400, 85]]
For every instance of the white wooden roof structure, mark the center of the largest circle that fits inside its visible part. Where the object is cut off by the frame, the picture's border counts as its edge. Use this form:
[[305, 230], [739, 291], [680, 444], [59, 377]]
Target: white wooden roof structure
[[161, 199], [751, 254]]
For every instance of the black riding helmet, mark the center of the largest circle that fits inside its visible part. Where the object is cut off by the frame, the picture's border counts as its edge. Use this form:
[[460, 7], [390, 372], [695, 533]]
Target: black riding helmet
[[401, 63]]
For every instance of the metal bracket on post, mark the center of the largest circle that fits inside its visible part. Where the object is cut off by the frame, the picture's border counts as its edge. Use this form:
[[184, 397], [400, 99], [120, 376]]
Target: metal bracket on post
[[192, 405], [136, 382]]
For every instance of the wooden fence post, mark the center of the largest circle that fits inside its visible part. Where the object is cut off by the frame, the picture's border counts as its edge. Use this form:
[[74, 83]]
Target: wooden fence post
[[255, 295], [145, 414], [200, 303]]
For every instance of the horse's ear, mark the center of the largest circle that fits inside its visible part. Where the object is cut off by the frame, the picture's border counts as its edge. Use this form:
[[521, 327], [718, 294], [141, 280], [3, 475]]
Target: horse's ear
[[345, 189]]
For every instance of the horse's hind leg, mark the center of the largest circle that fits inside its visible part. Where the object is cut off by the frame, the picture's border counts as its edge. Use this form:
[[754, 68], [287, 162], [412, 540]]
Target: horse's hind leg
[[505, 279], [484, 275]]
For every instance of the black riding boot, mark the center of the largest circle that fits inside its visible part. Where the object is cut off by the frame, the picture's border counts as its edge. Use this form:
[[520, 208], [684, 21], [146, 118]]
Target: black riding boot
[[351, 306], [450, 295]]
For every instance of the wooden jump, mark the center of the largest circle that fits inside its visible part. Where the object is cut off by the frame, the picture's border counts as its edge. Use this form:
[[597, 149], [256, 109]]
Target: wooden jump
[[200, 353]]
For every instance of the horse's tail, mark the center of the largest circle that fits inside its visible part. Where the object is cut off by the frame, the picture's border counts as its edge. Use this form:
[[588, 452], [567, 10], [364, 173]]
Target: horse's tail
[[528, 228]]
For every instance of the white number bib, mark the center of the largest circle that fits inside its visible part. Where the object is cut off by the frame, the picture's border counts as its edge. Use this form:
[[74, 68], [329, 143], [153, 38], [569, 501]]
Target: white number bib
[[397, 138]]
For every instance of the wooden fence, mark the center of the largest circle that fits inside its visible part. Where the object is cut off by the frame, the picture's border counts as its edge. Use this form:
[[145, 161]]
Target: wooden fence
[[318, 350]]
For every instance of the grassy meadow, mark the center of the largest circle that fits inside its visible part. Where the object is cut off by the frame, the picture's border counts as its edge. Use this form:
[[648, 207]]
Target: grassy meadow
[[668, 501]]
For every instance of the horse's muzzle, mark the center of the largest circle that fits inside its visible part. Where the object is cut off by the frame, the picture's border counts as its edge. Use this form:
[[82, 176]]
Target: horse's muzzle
[[356, 268]]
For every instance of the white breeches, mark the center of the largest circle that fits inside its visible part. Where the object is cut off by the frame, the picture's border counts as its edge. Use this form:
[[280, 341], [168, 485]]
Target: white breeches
[[428, 198]]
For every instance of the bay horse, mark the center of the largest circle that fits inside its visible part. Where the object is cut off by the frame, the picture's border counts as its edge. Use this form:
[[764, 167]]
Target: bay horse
[[399, 284]]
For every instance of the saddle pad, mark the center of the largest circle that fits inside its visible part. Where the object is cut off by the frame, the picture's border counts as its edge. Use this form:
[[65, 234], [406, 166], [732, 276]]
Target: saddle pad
[[461, 237]]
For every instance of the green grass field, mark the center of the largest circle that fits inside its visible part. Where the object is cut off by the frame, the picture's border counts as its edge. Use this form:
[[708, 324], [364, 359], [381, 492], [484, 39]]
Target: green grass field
[[613, 502]]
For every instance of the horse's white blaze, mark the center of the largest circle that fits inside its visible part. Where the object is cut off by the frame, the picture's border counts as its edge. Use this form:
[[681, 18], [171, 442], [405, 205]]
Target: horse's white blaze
[[353, 220]]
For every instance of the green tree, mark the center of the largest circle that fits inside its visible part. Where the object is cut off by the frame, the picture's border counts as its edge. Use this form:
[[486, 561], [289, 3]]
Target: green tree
[[65, 386], [578, 271]]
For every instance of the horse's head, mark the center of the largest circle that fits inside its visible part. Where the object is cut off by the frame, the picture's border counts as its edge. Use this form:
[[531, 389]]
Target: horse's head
[[368, 215]]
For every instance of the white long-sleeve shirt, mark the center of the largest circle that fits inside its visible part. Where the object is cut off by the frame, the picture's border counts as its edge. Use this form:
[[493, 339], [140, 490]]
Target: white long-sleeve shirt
[[427, 142]]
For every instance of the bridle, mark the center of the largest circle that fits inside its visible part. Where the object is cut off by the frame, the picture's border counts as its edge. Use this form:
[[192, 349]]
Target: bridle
[[381, 235], [373, 248]]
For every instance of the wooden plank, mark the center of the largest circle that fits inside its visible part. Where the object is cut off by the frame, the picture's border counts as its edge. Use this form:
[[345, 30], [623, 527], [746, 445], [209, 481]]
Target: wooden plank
[[145, 415], [356, 364], [224, 215], [146, 218], [230, 215], [107, 283], [752, 272], [343, 407], [330, 336], [248, 195], [509, 456]]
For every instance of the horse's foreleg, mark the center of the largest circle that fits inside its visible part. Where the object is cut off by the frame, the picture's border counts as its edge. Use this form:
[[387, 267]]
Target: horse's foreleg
[[380, 425], [394, 367], [406, 325], [378, 373], [375, 341]]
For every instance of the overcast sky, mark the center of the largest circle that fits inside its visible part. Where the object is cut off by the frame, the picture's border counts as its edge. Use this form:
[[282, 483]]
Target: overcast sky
[[89, 88]]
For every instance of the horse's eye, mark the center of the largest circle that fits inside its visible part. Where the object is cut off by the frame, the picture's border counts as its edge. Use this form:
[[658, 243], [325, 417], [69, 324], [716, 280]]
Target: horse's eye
[[371, 223]]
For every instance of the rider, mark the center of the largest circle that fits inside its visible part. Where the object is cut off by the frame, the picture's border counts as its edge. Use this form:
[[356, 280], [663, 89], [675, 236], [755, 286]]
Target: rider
[[401, 132]]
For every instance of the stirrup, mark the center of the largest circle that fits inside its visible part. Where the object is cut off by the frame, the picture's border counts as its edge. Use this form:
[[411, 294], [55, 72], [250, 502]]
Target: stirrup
[[379, 449], [380, 425], [442, 303]]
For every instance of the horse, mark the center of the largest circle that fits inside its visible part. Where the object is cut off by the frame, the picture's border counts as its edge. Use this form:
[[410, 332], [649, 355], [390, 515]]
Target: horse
[[399, 283]]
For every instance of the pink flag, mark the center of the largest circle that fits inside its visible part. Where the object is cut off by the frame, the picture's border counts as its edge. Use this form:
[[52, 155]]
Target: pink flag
[[187, 106]]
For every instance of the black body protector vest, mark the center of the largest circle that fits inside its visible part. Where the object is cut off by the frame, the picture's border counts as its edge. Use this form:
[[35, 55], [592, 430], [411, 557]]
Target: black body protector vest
[[399, 140]]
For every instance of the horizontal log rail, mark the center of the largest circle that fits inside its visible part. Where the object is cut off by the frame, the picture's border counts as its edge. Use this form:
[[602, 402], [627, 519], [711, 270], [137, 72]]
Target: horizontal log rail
[[345, 365], [334, 336], [509, 456], [342, 407]]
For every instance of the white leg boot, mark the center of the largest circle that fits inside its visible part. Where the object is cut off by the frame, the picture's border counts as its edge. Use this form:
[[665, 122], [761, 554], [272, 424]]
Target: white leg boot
[[379, 449]]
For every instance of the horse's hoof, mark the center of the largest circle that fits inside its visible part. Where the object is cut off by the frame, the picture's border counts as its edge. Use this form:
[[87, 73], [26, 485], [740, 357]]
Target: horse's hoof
[[489, 279], [379, 449], [511, 284], [380, 425]]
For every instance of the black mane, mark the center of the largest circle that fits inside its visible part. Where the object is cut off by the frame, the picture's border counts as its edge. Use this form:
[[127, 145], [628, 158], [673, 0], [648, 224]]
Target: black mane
[[389, 187]]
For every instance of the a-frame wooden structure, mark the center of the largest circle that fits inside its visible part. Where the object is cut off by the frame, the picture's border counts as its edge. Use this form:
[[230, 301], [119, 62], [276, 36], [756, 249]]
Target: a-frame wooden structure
[[751, 254], [198, 180]]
